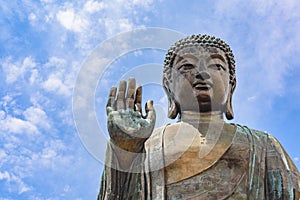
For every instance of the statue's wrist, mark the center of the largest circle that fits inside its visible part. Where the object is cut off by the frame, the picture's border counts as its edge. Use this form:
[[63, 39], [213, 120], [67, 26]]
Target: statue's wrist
[[125, 155], [131, 146]]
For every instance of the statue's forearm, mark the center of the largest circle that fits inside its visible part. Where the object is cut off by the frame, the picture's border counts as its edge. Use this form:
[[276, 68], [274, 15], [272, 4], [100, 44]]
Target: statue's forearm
[[121, 177]]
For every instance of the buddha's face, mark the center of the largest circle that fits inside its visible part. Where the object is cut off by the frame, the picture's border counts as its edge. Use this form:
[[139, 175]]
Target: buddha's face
[[200, 79]]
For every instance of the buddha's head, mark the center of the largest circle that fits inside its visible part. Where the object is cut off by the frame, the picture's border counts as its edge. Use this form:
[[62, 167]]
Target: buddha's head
[[199, 75]]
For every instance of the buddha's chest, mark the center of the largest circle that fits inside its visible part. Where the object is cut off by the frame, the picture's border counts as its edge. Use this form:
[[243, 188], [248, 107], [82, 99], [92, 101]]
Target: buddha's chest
[[215, 175], [188, 153]]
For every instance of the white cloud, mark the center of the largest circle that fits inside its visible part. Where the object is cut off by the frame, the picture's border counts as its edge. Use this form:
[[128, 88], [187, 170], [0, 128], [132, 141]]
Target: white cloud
[[32, 18], [16, 70], [13, 179], [53, 156], [252, 98], [93, 6], [144, 3], [2, 155], [34, 77], [2, 114], [7, 99], [37, 116], [4, 175], [21, 121], [56, 62], [55, 85], [22, 187], [113, 26], [15, 125], [61, 76], [66, 116], [47, 1], [131, 5], [287, 9], [71, 20], [91, 21]]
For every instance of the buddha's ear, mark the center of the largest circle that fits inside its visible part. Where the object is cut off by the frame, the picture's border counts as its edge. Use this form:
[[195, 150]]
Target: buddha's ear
[[172, 108], [229, 111], [172, 105]]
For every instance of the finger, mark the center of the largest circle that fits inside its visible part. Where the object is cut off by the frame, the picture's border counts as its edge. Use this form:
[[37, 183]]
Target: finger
[[120, 103], [111, 97], [150, 112], [130, 93], [109, 110], [138, 99], [138, 108]]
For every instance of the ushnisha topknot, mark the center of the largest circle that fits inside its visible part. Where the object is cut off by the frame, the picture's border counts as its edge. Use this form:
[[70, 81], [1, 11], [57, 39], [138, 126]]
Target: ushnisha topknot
[[203, 41]]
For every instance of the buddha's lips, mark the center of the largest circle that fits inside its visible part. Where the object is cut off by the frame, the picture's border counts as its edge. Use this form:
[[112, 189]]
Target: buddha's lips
[[201, 85]]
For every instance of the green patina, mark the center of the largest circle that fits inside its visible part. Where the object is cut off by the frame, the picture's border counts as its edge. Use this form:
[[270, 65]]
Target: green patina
[[275, 184]]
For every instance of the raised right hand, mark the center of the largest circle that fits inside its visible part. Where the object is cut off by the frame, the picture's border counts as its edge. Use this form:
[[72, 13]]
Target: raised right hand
[[128, 128]]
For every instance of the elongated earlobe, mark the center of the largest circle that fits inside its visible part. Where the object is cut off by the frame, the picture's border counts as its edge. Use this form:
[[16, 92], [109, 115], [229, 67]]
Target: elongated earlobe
[[172, 109], [229, 111]]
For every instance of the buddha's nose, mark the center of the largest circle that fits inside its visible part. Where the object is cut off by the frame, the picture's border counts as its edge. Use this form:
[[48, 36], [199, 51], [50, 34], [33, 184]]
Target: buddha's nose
[[203, 75]]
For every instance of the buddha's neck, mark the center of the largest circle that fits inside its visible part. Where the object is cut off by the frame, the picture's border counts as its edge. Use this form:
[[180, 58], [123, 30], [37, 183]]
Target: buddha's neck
[[202, 121], [206, 117]]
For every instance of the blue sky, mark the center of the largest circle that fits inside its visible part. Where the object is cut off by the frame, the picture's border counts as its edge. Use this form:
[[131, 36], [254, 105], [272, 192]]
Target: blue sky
[[43, 45]]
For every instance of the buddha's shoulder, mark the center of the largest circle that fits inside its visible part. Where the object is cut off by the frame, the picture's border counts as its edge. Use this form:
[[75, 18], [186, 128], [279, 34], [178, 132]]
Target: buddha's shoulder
[[180, 130], [254, 133], [259, 138], [179, 126], [173, 128], [170, 131]]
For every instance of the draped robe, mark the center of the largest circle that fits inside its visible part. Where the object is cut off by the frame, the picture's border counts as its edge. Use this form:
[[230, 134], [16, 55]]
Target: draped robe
[[253, 166]]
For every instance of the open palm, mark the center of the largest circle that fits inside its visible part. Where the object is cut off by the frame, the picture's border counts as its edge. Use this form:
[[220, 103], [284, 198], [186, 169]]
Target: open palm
[[127, 127]]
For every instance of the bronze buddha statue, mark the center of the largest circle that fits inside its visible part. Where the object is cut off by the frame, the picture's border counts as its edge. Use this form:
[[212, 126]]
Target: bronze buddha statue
[[201, 156]]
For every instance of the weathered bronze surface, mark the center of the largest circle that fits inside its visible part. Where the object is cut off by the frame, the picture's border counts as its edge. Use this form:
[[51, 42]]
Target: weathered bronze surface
[[200, 156]]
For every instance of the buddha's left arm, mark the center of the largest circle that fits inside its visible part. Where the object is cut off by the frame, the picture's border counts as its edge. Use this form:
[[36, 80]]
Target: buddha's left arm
[[289, 168]]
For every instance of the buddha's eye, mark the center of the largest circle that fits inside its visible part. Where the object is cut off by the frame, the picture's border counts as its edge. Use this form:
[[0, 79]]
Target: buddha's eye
[[217, 67], [186, 67]]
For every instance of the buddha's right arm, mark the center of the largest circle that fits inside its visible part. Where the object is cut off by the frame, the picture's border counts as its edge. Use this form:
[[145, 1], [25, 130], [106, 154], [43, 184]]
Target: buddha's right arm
[[122, 181]]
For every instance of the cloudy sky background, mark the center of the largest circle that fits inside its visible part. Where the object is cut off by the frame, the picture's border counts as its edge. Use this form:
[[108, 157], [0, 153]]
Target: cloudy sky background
[[43, 45]]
